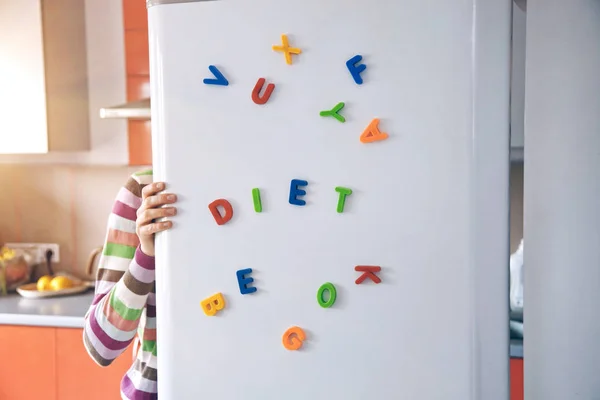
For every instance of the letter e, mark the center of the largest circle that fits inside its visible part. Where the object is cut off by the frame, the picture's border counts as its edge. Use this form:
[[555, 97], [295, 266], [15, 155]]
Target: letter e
[[295, 192]]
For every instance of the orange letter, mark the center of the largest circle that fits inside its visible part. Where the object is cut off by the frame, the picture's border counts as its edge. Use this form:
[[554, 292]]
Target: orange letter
[[221, 219], [212, 304], [293, 343], [372, 133]]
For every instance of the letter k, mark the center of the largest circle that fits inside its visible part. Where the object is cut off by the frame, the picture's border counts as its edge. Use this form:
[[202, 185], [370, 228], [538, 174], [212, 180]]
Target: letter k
[[368, 272]]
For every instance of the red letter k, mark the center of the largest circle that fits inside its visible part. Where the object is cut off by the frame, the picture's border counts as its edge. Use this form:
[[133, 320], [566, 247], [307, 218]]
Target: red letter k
[[368, 272]]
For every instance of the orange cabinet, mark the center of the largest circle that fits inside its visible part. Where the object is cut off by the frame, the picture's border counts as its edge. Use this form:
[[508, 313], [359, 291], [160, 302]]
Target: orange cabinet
[[135, 21], [516, 379], [79, 377], [27, 368], [52, 364]]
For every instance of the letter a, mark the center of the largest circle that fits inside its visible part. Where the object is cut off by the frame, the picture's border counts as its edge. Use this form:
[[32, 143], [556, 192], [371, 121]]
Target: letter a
[[221, 219], [372, 133]]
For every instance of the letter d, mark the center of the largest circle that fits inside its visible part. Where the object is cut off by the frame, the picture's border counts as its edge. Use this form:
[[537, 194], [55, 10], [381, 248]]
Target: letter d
[[227, 215]]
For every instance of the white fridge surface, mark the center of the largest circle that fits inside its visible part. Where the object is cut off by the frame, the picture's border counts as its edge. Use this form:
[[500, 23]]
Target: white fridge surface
[[428, 203]]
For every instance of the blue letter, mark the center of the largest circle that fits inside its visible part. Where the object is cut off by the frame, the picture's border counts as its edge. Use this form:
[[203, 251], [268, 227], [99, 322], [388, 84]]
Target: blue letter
[[356, 70], [295, 192], [219, 77], [244, 282]]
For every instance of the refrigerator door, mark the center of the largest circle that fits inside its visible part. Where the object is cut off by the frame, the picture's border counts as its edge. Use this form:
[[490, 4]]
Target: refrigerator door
[[429, 204]]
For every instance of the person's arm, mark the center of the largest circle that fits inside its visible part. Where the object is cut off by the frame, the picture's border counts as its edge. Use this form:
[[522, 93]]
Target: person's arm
[[125, 278]]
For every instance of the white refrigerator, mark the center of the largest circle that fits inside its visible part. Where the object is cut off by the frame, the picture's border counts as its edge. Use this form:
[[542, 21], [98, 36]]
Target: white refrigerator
[[342, 169]]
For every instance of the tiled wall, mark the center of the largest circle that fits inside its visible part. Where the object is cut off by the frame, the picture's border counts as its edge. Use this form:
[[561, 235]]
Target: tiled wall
[[65, 205], [137, 65]]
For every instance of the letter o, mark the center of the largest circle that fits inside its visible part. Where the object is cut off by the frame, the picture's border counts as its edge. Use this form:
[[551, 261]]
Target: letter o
[[332, 295]]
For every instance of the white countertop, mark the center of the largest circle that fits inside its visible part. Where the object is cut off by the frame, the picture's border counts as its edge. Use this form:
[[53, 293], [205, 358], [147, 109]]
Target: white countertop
[[60, 312]]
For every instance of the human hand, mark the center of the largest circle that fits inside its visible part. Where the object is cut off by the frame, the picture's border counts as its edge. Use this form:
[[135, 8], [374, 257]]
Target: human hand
[[152, 209]]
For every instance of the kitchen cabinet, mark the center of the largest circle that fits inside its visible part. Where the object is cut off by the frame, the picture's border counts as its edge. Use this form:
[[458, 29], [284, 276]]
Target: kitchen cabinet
[[44, 97], [78, 376], [137, 68], [137, 63], [27, 368], [101, 81], [56, 360], [62, 370], [516, 379]]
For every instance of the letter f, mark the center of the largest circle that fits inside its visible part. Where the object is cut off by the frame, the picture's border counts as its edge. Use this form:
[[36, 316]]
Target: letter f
[[356, 69]]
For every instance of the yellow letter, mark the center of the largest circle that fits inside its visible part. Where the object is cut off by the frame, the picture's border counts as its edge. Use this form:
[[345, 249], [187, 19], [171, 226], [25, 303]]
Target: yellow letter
[[212, 304]]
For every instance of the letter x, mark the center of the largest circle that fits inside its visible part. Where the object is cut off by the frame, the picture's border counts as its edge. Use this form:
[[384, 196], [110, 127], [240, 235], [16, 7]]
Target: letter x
[[286, 49], [368, 272]]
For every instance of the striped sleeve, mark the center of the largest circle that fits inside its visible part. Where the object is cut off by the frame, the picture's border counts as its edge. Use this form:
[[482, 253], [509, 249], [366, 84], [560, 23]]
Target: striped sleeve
[[125, 278]]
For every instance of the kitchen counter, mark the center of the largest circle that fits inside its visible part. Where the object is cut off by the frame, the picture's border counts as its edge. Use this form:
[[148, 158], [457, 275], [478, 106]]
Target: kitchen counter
[[60, 312]]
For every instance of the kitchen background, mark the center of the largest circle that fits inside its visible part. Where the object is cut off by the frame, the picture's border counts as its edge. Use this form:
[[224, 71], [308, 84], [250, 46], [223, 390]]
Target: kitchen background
[[65, 194], [65, 197]]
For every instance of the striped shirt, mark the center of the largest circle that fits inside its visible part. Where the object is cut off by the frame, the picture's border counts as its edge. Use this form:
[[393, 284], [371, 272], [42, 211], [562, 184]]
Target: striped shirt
[[125, 298]]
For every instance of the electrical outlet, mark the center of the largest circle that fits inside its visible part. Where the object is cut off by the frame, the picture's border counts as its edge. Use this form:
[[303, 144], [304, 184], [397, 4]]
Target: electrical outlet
[[41, 248]]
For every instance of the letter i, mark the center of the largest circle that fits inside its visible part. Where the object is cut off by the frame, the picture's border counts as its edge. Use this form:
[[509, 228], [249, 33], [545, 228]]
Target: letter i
[[256, 200]]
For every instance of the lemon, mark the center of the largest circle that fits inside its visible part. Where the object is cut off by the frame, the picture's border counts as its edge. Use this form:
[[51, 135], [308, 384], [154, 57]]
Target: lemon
[[60, 283], [43, 283]]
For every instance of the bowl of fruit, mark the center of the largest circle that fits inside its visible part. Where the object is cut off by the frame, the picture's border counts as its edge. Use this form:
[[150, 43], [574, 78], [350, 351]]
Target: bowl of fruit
[[61, 284]]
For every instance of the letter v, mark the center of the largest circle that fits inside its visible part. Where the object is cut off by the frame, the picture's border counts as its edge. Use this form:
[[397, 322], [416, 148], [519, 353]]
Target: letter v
[[219, 80]]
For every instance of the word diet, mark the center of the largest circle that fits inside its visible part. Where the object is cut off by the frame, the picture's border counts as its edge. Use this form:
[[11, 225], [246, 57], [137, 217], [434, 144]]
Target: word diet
[[295, 192]]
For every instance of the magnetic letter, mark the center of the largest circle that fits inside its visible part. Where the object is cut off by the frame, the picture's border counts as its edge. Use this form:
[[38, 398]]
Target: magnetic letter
[[342, 199], [368, 272], [332, 295], [213, 304], [372, 133], [293, 338], [286, 49], [221, 219], [256, 97], [334, 112], [356, 70], [243, 282], [256, 200], [219, 78], [295, 192]]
